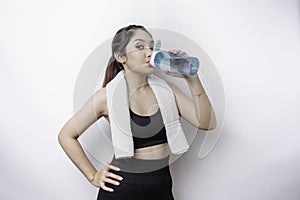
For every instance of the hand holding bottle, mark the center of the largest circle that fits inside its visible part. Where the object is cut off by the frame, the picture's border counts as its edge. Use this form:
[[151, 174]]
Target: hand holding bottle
[[174, 62], [178, 52]]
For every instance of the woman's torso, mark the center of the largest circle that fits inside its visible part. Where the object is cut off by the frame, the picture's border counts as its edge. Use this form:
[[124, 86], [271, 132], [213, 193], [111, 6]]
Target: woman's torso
[[143, 106]]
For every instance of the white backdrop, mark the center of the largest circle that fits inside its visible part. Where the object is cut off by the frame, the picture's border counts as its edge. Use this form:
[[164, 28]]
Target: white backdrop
[[255, 46]]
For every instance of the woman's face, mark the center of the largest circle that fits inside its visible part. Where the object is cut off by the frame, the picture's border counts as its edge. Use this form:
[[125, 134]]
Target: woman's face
[[138, 52]]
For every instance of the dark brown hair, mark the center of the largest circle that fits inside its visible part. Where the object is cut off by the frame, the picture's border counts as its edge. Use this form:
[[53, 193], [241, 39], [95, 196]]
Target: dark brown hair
[[119, 43]]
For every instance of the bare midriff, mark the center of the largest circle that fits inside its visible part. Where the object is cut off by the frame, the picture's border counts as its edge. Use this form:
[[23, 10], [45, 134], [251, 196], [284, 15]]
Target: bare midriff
[[152, 152]]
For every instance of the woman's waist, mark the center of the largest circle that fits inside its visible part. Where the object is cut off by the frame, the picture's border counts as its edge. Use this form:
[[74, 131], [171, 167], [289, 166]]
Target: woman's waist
[[152, 152], [137, 165]]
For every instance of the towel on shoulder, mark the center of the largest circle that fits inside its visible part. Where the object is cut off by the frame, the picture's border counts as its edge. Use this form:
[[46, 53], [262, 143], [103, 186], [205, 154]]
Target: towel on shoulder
[[118, 109]]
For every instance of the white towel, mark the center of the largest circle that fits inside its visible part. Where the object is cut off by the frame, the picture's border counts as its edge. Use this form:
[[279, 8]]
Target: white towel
[[118, 109]]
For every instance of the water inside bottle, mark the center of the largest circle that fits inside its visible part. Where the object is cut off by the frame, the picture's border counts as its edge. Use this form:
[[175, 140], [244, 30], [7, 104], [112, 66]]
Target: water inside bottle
[[177, 63]]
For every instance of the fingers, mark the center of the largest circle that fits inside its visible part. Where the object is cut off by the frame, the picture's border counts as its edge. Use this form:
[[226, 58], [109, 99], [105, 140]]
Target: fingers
[[109, 177], [102, 185], [109, 174], [175, 51], [113, 167], [112, 175], [108, 180]]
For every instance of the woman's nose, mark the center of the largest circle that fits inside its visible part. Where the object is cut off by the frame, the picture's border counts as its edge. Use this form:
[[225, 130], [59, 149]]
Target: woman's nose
[[149, 52]]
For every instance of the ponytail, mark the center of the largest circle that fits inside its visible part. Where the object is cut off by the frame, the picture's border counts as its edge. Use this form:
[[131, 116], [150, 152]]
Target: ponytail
[[112, 69]]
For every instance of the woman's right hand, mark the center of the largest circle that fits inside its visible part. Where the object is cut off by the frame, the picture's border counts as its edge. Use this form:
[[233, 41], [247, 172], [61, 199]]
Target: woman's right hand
[[104, 175]]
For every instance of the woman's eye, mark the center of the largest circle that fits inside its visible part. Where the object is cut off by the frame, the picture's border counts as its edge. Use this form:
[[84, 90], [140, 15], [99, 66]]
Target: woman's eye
[[140, 47]]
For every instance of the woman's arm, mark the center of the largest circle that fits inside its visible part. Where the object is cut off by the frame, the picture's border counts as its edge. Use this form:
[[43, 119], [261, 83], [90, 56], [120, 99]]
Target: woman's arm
[[203, 108], [92, 110], [198, 111]]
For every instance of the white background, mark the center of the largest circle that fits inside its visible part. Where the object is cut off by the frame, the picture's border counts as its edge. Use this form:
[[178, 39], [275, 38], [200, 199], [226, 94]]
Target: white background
[[254, 44]]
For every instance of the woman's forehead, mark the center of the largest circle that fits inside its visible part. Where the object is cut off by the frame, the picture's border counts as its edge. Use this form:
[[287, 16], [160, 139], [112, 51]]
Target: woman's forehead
[[141, 35]]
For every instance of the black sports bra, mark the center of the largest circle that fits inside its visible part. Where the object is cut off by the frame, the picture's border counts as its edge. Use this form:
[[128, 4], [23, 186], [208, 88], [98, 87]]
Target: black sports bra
[[147, 130]]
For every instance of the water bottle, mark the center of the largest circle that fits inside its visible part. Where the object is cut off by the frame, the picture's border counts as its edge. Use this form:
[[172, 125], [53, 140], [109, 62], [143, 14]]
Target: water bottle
[[176, 63]]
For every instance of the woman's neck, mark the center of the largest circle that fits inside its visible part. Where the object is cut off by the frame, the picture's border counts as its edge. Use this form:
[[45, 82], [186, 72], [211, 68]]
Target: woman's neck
[[136, 82]]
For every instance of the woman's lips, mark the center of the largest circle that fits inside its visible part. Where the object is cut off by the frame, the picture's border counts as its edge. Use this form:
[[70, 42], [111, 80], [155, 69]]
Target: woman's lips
[[148, 63]]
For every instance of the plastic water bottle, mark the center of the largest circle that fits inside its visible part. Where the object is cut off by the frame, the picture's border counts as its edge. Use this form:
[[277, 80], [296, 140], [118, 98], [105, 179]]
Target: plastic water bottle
[[176, 63]]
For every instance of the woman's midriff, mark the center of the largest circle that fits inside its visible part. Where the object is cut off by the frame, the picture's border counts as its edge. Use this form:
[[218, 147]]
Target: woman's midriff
[[152, 152]]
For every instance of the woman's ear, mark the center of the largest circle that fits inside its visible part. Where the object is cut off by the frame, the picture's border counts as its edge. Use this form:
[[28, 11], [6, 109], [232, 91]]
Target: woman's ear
[[119, 58]]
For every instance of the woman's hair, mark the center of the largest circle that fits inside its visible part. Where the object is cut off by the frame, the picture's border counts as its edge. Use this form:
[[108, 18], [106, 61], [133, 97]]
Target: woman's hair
[[119, 43]]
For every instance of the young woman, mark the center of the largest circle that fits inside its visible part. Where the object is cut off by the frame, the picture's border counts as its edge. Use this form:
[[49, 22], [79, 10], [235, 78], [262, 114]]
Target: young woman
[[132, 47]]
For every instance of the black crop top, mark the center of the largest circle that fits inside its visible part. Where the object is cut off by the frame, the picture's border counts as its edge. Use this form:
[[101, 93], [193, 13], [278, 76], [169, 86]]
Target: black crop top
[[147, 130]]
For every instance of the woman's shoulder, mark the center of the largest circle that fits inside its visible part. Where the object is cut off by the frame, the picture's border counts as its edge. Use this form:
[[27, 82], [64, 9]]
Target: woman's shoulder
[[101, 92]]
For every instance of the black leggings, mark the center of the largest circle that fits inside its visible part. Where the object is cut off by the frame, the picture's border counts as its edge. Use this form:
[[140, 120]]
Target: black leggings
[[142, 179]]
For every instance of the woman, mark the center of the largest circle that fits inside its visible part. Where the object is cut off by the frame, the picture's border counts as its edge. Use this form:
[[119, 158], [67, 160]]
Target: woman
[[132, 47]]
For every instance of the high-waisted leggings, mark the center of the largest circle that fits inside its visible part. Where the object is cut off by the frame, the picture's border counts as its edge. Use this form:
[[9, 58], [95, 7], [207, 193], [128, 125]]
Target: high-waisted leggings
[[142, 179]]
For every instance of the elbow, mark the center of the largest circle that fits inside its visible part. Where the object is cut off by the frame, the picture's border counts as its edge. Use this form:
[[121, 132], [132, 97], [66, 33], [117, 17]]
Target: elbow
[[68, 132], [63, 137], [208, 125], [60, 138], [211, 127]]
